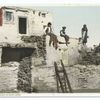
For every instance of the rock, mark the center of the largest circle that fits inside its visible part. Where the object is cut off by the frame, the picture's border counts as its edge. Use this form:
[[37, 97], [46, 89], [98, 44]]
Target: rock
[[24, 75], [40, 42]]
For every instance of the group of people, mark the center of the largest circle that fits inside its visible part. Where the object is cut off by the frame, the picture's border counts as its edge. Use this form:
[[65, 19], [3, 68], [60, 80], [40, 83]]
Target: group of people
[[53, 38]]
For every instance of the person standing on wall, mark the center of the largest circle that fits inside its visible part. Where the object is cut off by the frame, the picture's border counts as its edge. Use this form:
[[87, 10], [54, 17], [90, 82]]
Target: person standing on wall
[[53, 38], [63, 34], [84, 32]]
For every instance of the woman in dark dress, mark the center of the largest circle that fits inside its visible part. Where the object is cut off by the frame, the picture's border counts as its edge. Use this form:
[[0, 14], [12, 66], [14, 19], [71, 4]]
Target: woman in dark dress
[[84, 32]]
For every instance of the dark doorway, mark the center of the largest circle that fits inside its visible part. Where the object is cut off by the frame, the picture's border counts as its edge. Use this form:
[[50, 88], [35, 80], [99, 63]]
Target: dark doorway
[[22, 25], [15, 54]]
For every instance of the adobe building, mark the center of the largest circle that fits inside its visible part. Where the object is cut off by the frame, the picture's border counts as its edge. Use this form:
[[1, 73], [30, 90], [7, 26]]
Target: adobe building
[[16, 23], [22, 36]]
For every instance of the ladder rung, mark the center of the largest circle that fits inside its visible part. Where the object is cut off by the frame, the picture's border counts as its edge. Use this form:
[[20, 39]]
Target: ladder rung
[[60, 71], [63, 85], [62, 78]]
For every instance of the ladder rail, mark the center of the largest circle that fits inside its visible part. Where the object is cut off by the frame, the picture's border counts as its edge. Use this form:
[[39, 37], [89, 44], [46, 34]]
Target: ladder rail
[[70, 88], [65, 84], [57, 75], [57, 81]]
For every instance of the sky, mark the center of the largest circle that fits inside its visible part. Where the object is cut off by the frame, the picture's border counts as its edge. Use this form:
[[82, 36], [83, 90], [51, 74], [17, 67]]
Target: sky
[[73, 17]]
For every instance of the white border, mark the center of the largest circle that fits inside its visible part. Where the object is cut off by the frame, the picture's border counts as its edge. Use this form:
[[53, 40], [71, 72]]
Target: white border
[[51, 3], [48, 2]]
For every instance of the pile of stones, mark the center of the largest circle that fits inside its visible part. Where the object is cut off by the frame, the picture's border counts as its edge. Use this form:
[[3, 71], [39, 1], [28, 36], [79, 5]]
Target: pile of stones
[[91, 58]]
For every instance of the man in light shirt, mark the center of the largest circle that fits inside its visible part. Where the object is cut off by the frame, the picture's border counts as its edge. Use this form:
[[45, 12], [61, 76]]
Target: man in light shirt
[[53, 38]]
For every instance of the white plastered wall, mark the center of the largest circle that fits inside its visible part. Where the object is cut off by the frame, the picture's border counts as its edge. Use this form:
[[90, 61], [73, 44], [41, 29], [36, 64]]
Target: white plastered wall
[[9, 31], [69, 55]]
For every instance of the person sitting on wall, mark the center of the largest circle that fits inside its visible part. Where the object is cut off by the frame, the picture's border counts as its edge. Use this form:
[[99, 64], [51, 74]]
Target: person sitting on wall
[[53, 38], [84, 32], [63, 34]]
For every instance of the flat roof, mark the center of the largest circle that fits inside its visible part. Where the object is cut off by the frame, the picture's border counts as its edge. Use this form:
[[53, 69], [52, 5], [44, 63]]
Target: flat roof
[[22, 9]]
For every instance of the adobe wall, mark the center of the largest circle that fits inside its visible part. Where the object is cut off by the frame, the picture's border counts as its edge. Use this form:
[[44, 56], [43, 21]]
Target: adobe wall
[[43, 73], [69, 54], [9, 31]]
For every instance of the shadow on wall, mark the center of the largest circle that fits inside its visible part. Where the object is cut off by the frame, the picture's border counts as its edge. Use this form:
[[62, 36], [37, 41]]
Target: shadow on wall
[[15, 54]]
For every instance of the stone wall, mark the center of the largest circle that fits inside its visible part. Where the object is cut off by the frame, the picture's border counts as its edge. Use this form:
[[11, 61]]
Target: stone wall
[[18, 79], [24, 75], [43, 75], [8, 79], [82, 76], [39, 55], [43, 79]]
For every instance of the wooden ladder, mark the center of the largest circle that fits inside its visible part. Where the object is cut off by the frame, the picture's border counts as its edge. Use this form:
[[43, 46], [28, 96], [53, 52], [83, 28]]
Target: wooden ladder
[[63, 84]]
